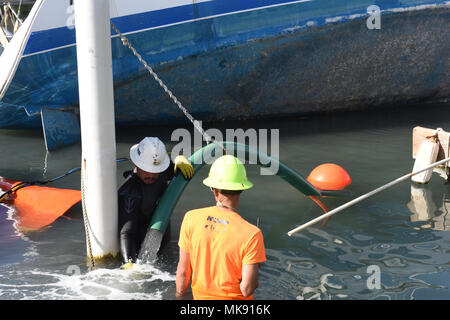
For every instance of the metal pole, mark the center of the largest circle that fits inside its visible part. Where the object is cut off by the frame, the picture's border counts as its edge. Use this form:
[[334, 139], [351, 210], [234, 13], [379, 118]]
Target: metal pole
[[364, 196], [95, 81]]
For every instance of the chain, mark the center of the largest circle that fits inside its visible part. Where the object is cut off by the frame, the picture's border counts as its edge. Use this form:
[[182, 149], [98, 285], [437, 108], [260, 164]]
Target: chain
[[85, 217], [196, 124]]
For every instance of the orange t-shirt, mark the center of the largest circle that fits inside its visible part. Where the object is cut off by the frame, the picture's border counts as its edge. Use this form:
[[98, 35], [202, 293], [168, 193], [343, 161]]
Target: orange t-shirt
[[219, 243]]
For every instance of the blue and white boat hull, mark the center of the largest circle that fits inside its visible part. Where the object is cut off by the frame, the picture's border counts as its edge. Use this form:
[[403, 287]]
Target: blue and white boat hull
[[246, 59]]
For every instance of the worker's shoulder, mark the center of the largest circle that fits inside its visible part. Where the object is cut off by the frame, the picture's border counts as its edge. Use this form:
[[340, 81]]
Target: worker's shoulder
[[131, 186], [199, 212], [251, 228]]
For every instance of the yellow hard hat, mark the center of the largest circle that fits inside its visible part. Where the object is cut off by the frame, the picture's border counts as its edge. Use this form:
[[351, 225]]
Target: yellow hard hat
[[228, 173]]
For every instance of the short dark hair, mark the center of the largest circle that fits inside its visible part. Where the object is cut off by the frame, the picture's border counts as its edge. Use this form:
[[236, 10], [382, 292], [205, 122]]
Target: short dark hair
[[229, 192]]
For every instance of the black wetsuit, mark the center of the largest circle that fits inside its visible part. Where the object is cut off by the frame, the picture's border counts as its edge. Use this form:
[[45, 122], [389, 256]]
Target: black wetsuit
[[137, 202]]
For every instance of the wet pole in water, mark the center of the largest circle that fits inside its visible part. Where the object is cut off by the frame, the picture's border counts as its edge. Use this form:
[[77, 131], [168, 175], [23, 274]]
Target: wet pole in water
[[95, 81], [364, 196]]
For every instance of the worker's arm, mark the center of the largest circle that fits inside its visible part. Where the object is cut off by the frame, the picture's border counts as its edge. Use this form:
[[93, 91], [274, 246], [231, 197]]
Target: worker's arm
[[127, 244], [129, 203], [249, 281], [183, 274]]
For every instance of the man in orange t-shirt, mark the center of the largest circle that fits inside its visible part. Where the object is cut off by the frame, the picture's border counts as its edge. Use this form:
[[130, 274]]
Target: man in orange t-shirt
[[221, 250]]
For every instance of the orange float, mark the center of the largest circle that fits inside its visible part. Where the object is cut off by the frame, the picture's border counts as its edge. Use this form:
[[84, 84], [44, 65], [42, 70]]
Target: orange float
[[329, 176], [38, 206]]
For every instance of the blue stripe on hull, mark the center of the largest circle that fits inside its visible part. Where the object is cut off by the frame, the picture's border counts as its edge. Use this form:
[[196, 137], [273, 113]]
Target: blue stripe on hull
[[309, 10], [234, 66], [59, 37]]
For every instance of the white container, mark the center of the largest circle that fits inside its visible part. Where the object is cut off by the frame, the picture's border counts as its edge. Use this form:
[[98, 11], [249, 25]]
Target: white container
[[426, 155]]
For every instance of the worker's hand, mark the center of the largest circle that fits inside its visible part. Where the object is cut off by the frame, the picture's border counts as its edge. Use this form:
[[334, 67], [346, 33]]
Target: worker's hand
[[184, 296], [184, 166]]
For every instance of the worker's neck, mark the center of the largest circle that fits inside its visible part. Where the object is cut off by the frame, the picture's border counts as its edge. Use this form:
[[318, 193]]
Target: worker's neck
[[228, 204]]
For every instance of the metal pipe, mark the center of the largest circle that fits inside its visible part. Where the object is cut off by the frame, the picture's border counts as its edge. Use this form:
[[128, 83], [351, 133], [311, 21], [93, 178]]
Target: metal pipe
[[364, 196], [97, 123]]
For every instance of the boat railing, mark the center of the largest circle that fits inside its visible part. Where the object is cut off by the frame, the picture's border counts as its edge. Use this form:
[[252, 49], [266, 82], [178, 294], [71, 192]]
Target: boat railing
[[12, 15], [13, 48]]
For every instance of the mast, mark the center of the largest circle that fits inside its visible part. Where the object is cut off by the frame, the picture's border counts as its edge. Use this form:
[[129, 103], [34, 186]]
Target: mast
[[95, 80]]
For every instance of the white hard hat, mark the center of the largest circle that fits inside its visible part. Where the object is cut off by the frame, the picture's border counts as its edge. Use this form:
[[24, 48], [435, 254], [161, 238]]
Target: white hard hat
[[150, 155]]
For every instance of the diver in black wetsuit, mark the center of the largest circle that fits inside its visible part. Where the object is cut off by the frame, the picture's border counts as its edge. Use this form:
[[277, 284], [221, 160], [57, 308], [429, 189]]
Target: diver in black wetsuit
[[140, 193]]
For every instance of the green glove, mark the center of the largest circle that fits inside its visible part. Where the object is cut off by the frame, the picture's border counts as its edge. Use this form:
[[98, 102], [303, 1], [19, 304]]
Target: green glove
[[184, 166]]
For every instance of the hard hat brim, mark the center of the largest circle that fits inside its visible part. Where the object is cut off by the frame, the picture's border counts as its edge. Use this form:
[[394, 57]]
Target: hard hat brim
[[147, 167], [227, 185]]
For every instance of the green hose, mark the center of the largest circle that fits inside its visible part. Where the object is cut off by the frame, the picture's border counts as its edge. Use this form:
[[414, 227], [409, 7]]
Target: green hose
[[176, 187]]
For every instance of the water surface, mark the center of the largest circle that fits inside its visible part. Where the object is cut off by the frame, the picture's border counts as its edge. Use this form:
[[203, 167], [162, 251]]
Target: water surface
[[410, 246]]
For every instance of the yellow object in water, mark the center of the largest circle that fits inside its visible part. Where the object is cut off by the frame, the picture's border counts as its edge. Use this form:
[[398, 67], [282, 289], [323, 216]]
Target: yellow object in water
[[127, 266]]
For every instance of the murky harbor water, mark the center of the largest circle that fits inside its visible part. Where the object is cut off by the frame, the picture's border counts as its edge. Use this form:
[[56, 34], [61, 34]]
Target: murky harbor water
[[331, 261]]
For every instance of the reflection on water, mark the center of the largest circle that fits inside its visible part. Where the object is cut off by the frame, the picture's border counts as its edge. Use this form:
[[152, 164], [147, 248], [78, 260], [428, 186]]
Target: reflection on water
[[425, 209], [403, 231]]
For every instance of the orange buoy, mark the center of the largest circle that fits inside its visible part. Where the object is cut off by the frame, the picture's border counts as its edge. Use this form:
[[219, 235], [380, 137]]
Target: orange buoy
[[329, 176], [38, 206]]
